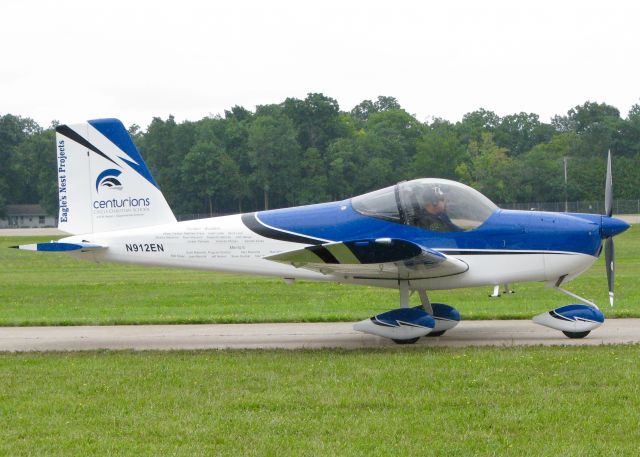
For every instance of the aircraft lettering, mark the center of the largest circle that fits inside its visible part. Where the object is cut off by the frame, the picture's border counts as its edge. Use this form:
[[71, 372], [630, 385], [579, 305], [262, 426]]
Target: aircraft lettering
[[62, 182], [64, 209], [144, 247]]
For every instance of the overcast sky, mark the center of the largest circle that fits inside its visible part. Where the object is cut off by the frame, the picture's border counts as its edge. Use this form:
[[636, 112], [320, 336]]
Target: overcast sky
[[77, 60]]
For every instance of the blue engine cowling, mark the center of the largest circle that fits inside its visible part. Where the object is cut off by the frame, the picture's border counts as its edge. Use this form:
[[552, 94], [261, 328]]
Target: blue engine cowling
[[574, 318], [398, 324]]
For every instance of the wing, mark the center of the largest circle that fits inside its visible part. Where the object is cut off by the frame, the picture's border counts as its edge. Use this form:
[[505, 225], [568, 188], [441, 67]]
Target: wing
[[383, 258]]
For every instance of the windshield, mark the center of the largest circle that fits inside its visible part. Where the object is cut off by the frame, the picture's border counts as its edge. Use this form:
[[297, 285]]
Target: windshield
[[381, 203], [438, 205]]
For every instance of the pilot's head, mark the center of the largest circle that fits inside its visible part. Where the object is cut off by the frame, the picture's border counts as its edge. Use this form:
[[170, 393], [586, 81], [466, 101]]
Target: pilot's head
[[434, 200]]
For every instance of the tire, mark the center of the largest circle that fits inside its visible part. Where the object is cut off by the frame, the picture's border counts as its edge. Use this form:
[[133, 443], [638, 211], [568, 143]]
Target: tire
[[440, 333], [576, 334], [409, 341]]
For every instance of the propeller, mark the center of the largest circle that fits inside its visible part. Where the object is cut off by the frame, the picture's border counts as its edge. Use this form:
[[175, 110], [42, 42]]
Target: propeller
[[609, 252], [608, 258]]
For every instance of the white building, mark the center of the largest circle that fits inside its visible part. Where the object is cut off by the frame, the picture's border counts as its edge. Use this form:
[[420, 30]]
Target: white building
[[27, 216]]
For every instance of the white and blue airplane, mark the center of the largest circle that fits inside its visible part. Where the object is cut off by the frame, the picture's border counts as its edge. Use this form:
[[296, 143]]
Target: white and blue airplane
[[416, 236]]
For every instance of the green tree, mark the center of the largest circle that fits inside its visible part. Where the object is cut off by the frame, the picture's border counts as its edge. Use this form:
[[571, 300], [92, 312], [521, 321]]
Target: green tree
[[274, 154], [213, 177], [393, 135], [626, 177], [164, 146], [200, 174], [630, 133], [236, 144], [520, 132], [314, 188], [475, 124], [438, 152], [36, 164], [346, 162], [598, 124], [317, 120], [489, 169], [364, 109], [541, 170], [14, 130]]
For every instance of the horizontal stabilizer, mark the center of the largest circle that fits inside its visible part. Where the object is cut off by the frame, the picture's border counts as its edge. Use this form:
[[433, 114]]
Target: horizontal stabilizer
[[375, 258], [54, 246]]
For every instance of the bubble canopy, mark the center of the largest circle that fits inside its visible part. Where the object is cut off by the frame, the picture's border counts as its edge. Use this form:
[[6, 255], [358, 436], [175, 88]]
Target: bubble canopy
[[434, 204]]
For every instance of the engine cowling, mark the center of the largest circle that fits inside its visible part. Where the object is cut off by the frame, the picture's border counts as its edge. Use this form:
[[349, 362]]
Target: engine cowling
[[398, 324], [576, 318]]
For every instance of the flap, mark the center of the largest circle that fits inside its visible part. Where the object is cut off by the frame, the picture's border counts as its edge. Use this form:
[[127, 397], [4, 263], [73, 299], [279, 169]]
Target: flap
[[376, 258]]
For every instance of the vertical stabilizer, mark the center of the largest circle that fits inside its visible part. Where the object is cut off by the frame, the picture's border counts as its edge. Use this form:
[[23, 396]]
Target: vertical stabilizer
[[103, 183]]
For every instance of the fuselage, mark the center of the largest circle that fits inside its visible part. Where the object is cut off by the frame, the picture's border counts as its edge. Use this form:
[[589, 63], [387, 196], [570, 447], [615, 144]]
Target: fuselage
[[510, 246]]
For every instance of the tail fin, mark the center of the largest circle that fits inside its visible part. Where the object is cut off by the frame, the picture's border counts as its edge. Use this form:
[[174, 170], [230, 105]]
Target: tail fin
[[103, 183]]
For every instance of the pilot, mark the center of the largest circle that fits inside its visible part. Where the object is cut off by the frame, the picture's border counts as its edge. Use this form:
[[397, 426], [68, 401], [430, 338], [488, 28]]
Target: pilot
[[433, 213]]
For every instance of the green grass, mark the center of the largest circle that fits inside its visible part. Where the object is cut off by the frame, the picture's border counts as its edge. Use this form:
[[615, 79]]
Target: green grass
[[573, 401], [55, 289]]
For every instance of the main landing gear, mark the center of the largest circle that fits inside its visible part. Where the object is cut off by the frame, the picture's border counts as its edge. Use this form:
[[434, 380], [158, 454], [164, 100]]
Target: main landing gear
[[407, 325], [496, 291]]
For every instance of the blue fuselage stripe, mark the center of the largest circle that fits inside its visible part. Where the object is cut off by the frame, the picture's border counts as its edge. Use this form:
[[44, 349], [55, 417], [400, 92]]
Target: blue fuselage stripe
[[505, 231]]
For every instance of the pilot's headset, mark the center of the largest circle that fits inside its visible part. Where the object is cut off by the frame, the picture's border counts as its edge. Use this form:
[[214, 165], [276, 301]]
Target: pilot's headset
[[433, 195]]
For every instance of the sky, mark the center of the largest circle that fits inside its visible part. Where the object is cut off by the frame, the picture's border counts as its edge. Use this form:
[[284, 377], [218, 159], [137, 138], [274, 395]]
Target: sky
[[72, 60]]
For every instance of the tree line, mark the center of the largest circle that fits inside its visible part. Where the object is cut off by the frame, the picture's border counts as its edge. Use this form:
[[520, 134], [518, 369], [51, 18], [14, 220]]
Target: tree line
[[307, 151]]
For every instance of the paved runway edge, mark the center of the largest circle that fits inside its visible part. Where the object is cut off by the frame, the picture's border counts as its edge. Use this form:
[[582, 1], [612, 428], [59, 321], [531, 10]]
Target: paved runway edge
[[294, 336]]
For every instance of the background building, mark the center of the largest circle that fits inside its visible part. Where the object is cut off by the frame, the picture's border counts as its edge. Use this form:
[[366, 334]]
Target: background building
[[27, 216]]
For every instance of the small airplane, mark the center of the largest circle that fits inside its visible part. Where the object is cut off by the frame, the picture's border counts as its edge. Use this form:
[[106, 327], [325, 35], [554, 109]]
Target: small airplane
[[416, 236]]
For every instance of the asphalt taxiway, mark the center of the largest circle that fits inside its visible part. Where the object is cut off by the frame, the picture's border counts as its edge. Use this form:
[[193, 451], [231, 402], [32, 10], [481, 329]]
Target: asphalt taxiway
[[294, 336]]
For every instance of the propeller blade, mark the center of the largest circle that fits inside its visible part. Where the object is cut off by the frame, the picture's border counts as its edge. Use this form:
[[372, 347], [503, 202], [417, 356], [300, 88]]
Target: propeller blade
[[609, 255], [608, 189]]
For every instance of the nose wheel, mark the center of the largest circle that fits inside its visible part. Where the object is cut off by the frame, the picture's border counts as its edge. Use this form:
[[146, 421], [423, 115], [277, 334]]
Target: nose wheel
[[575, 321], [408, 341], [576, 335]]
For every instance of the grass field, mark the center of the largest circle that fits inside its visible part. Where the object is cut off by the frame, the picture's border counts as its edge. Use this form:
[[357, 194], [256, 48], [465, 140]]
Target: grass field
[[55, 289], [573, 401]]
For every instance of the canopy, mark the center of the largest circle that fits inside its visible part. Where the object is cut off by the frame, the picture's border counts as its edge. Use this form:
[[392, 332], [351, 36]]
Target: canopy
[[429, 203]]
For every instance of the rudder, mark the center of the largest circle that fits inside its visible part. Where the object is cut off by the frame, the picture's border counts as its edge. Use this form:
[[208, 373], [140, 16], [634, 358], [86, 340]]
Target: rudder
[[103, 182]]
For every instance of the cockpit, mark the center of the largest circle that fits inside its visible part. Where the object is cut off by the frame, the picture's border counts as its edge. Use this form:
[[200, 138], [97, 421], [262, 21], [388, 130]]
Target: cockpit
[[433, 204]]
